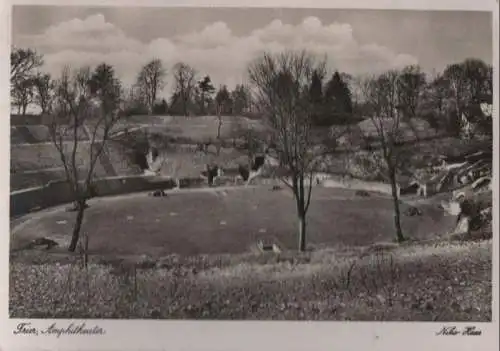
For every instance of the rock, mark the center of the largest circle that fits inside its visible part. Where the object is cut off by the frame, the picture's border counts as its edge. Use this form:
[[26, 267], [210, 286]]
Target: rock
[[362, 193], [42, 242], [474, 215], [158, 193], [413, 211]]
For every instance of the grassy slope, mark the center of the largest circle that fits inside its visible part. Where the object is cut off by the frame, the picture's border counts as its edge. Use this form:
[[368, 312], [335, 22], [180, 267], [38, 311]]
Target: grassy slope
[[193, 129], [182, 130], [448, 282]]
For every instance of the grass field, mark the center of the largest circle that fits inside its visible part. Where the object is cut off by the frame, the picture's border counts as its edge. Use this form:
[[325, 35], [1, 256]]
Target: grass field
[[230, 221]]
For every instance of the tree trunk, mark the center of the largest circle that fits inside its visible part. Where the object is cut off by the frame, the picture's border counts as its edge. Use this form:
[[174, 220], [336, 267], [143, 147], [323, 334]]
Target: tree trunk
[[78, 226], [184, 105], [202, 104], [301, 214], [219, 126], [302, 232], [397, 212]]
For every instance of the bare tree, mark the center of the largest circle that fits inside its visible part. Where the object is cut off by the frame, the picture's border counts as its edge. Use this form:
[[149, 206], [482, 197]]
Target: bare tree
[[411, 84], [44, 92], [470, 84], [23, 62], [456, 77], [185, 83], [151, 81], [223, 106], [433, 103], [281, 85], [23, 93], [383, 95], [84, 106]]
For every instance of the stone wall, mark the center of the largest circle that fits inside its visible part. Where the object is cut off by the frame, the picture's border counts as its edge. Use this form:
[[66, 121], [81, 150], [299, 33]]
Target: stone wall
[[58, 193]]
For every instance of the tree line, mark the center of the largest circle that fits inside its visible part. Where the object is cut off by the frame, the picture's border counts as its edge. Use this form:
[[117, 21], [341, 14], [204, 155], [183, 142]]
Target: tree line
[[447, 100], [193, 94]]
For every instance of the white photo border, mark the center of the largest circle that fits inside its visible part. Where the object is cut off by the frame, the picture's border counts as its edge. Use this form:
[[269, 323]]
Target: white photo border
[[245, 335]]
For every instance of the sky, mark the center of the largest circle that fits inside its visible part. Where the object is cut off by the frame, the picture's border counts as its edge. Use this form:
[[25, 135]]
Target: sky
[[221, 42]]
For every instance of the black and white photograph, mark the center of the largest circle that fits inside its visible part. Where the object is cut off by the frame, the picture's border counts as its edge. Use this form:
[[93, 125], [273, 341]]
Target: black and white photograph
[[252, 164]]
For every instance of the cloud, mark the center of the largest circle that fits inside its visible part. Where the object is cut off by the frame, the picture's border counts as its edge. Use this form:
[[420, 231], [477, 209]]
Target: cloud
[[90, 34], [216, 34], [214, 50]]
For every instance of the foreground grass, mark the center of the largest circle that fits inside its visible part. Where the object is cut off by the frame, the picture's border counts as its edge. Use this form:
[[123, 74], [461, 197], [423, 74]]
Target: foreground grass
[[445, 282]]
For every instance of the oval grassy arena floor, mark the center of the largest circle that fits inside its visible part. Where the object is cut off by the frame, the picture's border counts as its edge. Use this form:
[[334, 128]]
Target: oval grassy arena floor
[[228, 220]]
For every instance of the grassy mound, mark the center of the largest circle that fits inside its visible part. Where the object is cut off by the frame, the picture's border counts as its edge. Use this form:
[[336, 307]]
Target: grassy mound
[[445, 282]]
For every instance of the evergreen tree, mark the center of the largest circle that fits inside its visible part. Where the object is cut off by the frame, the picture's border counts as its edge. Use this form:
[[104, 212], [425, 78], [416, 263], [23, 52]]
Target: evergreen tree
[[224, 101], [206, 90], [337, 101], [240, 97], [176, 106], [161, 108], [316, 97]]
